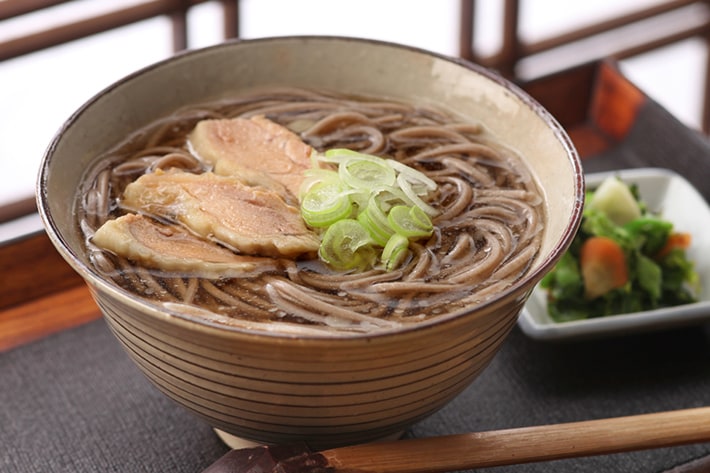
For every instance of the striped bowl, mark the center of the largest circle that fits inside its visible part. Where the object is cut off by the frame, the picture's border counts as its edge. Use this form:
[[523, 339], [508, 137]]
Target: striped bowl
[[272, 388]]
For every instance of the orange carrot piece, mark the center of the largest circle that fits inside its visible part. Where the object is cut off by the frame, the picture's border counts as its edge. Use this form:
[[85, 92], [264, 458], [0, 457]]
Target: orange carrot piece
[[603, 265], [675, 240]]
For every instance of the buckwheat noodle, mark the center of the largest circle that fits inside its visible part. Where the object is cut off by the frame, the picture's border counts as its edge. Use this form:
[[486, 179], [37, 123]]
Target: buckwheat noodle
[[487, 234]]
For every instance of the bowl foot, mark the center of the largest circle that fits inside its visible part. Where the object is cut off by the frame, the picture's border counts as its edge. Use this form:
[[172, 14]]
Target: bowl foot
[[234, 442]]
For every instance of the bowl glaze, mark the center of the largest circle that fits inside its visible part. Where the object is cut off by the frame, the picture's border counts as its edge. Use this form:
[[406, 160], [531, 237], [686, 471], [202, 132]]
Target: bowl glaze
[[274, 388]]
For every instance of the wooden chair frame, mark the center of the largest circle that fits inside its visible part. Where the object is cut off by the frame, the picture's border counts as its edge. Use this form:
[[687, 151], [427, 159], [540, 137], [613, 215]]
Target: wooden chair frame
[[683, 20]]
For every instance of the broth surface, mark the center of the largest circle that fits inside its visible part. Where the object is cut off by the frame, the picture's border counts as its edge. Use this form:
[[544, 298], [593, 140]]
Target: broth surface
[[487, 233]]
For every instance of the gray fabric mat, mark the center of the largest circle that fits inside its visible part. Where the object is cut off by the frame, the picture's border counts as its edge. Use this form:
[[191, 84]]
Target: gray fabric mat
[[74, 402]]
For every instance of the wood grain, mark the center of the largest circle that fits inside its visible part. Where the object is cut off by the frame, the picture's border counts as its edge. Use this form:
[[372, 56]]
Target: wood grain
[[31, 267], [25, 323], [40, 293], [525, 445]]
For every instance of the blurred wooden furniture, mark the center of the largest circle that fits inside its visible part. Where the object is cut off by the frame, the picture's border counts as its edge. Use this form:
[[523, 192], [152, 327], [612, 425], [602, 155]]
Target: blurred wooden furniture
[[639, 28], [594, 102], [115, 17], [44, 35], [40, 294]]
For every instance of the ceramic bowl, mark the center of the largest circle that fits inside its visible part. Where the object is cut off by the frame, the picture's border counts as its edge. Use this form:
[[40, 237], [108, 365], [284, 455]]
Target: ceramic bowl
[[673, 197], [273, 388]]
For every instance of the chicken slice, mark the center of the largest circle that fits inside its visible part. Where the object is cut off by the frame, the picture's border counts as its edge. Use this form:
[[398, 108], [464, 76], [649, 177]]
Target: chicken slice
[[257, 150], [249, 219], [170, 248]]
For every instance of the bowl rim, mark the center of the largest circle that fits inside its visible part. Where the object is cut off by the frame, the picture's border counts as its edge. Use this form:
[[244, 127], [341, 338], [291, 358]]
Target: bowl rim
[[529, 279]]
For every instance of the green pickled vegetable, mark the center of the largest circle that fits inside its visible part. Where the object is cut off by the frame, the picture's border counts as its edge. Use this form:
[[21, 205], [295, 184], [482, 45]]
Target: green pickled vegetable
[[623, 259]]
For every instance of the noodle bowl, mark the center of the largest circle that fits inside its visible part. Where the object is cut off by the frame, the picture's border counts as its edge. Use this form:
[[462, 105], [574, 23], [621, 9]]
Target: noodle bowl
[[303, 353], [487, 233]]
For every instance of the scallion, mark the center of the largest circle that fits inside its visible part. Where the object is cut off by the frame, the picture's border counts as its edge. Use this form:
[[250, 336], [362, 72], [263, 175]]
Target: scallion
[[395, 251], [410, 222], [346, 245], [326, 203], [369, 202]]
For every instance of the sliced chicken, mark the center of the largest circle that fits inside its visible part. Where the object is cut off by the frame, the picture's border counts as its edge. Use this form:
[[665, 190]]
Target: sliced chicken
[[172, 248], [257, 150], [249, 219]]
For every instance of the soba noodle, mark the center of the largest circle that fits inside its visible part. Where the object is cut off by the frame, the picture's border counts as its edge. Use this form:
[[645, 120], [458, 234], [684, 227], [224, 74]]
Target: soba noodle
[[486, 235]]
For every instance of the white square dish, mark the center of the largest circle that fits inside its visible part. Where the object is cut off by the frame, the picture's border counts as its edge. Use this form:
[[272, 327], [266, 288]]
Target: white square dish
[[679, 202]]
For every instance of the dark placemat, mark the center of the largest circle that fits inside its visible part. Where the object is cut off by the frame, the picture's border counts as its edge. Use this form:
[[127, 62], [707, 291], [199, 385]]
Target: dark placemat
[[533, 383], [75, 403]]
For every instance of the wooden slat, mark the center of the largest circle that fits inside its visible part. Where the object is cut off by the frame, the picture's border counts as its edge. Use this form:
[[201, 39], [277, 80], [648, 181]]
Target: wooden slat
[[38, 318], [40, 293], [514, 49], [31, 268], [684, 19], [230, 13], [93, 25], [606, 26], [18, 208], [13, 8]]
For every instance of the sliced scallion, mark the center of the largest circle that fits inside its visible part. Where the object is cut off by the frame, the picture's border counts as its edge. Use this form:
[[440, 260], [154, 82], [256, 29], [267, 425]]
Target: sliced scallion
[[415, 178], [379, 230], [369, 202], [410, 222], [325, 203], [395, 251], [315, 176], [346, 245], [363, 172], [415, 199]]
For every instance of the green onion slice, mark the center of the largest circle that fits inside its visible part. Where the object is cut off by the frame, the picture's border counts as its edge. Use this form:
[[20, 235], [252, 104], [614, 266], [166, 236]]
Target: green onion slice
[[375, 215], [325, 203], [336, 154], [395, 252], [346, 245], [364, 172], [417, 179], [411, 194], [315, 176], [410, 222], [368, 202], [376, 225]]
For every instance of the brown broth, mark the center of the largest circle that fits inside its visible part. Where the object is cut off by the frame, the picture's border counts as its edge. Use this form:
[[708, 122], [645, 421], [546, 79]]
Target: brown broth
[[487, 234]]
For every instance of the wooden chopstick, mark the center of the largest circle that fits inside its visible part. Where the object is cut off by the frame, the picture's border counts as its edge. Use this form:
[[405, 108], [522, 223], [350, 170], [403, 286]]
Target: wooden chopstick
[[525, 445]]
